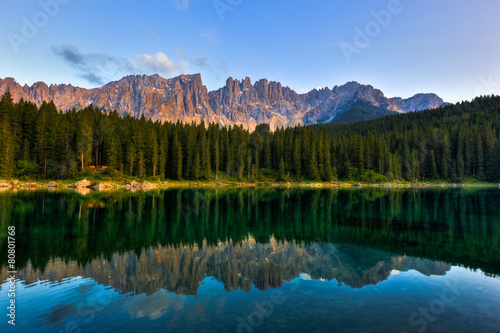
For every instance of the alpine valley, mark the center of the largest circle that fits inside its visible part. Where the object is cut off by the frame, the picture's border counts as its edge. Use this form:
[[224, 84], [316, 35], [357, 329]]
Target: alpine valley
[[184, 98]]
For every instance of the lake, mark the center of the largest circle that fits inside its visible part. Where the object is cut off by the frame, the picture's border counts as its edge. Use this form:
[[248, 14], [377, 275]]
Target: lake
[[254, 260]]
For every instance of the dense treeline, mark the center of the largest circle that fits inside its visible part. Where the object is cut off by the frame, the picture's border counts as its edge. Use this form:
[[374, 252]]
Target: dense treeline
[[451, 143]]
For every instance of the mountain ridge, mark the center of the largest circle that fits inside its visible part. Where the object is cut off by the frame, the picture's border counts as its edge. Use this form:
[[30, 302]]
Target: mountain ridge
[[239, 102]]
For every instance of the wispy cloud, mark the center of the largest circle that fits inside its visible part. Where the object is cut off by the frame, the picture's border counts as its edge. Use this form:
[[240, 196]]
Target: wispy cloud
[[96, 68], [223, 66], [201, 60], [210, 36], [100, 68], [153, 36], [180, 4], [261, 61], [180, 52]]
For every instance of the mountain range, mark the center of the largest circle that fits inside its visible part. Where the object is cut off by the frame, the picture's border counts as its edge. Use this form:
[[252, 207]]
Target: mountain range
[[184, 98]]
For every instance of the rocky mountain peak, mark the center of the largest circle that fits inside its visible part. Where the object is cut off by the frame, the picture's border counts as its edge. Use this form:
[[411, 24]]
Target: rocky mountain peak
[[186, 99]]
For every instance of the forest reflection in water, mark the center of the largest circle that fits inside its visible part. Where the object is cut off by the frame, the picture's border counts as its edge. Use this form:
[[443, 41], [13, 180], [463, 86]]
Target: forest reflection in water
[[208, 259], [262, 237]]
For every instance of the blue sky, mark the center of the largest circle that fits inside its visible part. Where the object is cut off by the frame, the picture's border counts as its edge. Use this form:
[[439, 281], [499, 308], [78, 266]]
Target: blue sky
[[450, 47]]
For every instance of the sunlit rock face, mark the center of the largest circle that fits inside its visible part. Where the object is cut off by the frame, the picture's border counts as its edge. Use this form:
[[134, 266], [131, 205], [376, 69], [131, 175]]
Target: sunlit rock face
[[184, 98]]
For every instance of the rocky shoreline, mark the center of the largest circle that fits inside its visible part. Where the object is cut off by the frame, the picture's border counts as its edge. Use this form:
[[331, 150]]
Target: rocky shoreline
[[85, 186]]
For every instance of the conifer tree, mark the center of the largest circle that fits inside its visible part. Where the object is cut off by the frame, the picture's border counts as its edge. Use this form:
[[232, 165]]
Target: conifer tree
[[177, 159], [281, 171], [7, 137], [197, 166], [297, 161]]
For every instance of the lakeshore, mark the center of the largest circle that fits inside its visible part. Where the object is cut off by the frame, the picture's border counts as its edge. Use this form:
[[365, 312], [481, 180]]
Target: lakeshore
[[86, 185]]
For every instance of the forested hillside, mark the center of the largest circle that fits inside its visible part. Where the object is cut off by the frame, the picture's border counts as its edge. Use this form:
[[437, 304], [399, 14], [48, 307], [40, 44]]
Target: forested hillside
[[449, 143], [360, 111]]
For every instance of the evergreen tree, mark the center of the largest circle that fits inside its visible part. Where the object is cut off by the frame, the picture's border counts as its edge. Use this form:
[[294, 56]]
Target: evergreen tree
[[446, 157], [197, 166], [163, 153], [7, 137], [241, 168], [433, 166], [297, 161], [205, 152], [249, 164], [267, 152], [455, 142], [177, 158], [313, 165], [327, 171], [83, 138], [131, 151], [460, 158], [490, 155], [281, 171], [480, 157]]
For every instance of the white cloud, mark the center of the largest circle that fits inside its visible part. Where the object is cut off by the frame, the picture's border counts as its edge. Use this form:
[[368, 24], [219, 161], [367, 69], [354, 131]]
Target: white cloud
[[160, 63], [210, 36], [180, 4]]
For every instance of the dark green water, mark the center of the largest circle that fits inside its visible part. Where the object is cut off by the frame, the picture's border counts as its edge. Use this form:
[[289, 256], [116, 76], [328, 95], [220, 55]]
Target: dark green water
[[363, 260]]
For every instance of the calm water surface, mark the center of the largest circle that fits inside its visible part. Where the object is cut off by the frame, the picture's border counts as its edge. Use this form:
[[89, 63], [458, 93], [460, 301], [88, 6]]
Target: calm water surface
[[363, 260]]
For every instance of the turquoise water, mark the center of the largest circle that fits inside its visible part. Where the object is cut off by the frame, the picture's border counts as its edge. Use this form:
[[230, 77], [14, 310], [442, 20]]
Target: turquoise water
[[369, 260]]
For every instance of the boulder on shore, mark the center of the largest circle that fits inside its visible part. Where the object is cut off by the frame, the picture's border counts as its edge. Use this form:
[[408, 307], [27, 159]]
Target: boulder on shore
[[134, 185], [147, 185], [5, 184], [51, 185], [84, 183]]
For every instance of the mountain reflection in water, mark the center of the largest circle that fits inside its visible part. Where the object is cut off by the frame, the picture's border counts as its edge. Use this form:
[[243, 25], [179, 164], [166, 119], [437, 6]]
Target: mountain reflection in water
[[238, 266]]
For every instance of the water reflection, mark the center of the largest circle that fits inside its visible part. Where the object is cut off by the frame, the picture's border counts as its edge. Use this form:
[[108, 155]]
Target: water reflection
[[454, 226], [238, 266], [200, 260]]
